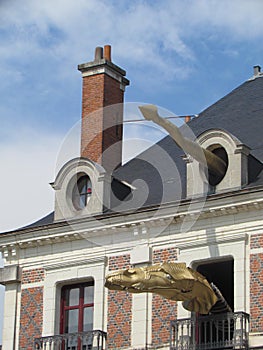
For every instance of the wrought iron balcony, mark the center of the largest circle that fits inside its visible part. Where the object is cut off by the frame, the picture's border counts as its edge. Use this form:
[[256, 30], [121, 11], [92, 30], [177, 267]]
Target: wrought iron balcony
[[91, 340], [222, 331]]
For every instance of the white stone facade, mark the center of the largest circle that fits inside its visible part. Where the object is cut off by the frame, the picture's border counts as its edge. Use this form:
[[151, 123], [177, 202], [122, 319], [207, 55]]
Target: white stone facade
[[222, 229]]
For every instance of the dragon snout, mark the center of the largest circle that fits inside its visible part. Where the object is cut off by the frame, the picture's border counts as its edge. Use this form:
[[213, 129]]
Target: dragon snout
[[114, 281]]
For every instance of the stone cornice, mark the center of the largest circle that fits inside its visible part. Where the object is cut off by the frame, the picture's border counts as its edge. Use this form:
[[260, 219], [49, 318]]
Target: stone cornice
[[71, 263], [204, 240], [134, 222]]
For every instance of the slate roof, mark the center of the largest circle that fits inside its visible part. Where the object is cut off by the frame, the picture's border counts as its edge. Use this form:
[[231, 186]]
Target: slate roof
[[240, 113], [159, 173]]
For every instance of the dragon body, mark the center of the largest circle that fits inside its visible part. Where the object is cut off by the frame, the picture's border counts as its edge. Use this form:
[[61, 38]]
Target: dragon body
[[205, 157], [173, 281]]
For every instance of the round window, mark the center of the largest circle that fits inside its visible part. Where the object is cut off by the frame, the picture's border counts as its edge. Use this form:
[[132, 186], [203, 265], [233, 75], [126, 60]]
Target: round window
[[82, 192]]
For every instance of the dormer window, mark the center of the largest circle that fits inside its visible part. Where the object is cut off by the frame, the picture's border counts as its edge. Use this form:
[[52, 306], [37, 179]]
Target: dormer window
[[232, 152], [82, 192], [82, 188]]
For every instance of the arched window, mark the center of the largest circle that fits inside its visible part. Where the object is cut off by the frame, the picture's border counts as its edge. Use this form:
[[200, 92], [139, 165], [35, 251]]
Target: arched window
[[81, 192]]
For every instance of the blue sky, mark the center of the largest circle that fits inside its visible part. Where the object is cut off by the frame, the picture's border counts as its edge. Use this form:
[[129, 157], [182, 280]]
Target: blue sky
[[181, 55]]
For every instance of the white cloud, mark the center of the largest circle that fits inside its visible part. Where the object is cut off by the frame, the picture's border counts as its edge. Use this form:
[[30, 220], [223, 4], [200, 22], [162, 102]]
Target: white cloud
[[238, 18], [146, 33], [27, 166], [156, 40]]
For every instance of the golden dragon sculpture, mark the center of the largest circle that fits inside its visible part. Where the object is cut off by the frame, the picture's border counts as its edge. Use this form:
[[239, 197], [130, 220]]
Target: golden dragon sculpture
[[172, 281], [205, 157]]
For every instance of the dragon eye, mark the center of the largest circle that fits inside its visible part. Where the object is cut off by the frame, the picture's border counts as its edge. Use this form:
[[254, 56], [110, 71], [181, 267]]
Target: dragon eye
[[168, 276]]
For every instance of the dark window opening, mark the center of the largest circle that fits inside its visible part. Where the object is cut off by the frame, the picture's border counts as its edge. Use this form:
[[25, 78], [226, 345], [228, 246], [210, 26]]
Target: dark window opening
[[221, 273], [82, 192], [214, 178]]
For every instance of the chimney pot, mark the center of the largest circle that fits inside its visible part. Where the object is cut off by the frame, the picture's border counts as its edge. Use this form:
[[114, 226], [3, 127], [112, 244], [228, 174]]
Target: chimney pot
[[187, 118], [98, 53], [257, 70], [107, 52]]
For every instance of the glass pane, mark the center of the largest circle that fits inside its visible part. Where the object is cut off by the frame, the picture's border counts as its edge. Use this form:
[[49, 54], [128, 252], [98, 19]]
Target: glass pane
[[89, 295], [89, 188], [82, 200], [88, 319], [75, 200], [82, 190], [73, 297], [72, 317], [82, 184]]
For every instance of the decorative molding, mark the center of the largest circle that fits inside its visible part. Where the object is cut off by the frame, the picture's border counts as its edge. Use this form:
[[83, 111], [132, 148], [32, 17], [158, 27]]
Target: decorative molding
[[205, 240], [32, 285], [97, 227], [70, 263], [255, 251]]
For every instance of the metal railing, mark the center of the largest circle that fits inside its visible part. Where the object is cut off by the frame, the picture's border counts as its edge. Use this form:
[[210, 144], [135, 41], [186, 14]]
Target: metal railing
[[91, 340], [222, 331]]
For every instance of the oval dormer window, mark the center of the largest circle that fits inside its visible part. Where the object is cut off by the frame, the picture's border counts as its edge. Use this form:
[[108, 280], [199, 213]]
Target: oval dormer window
[[215, 178], [82, 192]]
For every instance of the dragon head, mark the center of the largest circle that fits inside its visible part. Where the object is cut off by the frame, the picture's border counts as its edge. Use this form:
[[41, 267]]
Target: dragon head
[[173, 281]]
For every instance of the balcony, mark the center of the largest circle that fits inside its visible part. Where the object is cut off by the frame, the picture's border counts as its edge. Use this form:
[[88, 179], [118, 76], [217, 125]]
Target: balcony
[[91, 340], [222, 331]]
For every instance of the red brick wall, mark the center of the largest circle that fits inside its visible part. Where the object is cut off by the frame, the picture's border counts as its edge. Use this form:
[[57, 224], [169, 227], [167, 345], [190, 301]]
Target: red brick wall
[[256, 241], [256, 285], [119, 309], [32, 276], [99, 129], [31, 312], [92, 126], [165, 255], [163, 310]]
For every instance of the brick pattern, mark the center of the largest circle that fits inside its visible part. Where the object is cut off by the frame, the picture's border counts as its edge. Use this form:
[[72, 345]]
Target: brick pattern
[[99, 130], [91, 132], [165, 255], [119, 309], [31, 317], [163, 310], [32, 276], [256, 297], [256, 241], [119, 262]]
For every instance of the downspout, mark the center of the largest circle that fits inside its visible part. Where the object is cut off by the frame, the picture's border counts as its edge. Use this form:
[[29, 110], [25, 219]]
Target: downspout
[[147, 322], [15, 323]]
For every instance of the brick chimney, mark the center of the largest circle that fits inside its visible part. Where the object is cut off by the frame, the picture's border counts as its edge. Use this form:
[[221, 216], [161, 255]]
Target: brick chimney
[[102, 126]]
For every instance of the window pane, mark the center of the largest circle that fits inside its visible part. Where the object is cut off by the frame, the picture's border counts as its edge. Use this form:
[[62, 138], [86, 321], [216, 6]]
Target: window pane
[[88, 319], [75, 201], [71, 325], [73, 297], [82, 201], [82, 184], [89, 295], [82, 190]]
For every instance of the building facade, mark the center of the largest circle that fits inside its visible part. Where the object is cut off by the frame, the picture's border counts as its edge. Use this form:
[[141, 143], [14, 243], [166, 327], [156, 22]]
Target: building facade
[[162, 206]]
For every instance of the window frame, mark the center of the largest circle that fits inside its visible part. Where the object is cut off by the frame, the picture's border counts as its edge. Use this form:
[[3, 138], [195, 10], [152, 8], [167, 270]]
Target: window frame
[[81, 306], [81, 191]]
